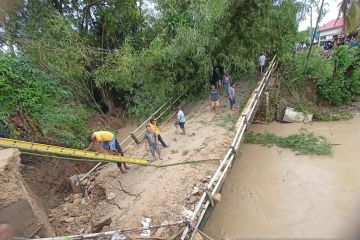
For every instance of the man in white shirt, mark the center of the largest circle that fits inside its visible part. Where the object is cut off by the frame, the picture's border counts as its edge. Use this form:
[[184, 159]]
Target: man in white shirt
[[262, 60], [180, 120]]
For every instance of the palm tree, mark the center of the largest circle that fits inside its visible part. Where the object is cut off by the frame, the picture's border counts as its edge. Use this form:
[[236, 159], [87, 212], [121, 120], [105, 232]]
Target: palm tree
[[350, 10]]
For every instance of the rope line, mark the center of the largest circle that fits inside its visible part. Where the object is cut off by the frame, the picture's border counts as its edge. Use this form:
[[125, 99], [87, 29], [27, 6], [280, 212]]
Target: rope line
[[149, 165]]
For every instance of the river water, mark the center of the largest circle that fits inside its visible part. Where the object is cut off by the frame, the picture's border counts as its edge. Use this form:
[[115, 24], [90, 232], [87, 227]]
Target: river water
[[273, 192]]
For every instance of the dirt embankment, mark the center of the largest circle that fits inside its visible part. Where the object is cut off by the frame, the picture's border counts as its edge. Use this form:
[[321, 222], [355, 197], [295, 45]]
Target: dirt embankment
[[18, 205]]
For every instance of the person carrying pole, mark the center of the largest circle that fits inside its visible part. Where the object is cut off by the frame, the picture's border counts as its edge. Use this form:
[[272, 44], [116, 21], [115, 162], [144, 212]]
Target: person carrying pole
[[106, 140], [154, 127]]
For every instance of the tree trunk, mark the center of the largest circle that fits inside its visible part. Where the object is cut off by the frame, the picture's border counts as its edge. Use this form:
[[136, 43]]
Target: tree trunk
[[105, 94]]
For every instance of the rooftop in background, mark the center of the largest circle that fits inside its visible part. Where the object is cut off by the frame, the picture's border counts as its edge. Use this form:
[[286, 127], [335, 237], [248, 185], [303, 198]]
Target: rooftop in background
[[336, 23]]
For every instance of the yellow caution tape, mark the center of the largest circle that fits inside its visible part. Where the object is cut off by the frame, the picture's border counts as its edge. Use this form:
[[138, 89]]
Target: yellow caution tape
[[68, 152]]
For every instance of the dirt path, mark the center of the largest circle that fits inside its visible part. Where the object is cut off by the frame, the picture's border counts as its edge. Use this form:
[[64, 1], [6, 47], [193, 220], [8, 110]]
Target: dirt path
[[119, 201]]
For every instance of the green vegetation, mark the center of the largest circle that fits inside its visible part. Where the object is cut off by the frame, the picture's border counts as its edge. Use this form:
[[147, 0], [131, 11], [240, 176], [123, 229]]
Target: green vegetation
[[62, 60], [336, 80], [303, 142], [226, 121], [174, 151], [346, 115], [29, 93], [185, 152], [321, 115]]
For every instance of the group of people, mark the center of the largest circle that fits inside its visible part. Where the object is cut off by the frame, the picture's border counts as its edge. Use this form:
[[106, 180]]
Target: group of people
[[229, 88], [105, 141]]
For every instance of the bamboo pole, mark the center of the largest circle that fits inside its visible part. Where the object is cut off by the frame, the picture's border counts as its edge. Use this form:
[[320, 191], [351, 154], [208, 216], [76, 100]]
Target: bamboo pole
[[111, 233], [149, 165]]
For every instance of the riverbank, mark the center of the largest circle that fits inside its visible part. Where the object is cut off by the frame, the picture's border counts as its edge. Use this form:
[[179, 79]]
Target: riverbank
[[273, 192]]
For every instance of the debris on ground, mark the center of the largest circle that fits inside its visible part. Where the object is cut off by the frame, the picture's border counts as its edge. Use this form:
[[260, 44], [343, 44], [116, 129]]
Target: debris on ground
[[292, 116]]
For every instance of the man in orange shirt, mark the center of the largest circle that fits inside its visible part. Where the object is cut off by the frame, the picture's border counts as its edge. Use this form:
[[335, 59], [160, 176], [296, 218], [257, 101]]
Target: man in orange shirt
[[108, 142], [154, 128]]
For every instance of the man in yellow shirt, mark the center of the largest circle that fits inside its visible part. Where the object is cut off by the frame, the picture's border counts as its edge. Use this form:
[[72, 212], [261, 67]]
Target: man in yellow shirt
[[154, 127], [108, 142]]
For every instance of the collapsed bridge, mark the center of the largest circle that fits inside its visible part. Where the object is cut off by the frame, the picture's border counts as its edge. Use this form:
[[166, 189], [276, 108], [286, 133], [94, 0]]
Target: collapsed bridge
[[214, 185]]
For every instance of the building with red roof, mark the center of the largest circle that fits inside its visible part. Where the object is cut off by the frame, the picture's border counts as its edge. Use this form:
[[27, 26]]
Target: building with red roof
[[330, 29]]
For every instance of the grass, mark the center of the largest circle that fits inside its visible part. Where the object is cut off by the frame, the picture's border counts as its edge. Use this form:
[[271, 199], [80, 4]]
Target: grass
[[304, 142], [204, 144], [309, 107], [185, 152], [227, 121], [272, 106], [174, 151], [209, 172], [333, 117], [203, 122]]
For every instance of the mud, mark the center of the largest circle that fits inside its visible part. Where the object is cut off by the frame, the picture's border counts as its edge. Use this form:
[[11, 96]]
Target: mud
[[273, 192]]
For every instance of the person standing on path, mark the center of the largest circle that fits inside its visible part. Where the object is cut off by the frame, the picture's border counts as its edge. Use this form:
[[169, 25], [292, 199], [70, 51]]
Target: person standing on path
[[151, 138], [180, 120], [108, 142], [214, 99], [232, 97], [227, 83], [217, 75], [154, 127], [262, 60]]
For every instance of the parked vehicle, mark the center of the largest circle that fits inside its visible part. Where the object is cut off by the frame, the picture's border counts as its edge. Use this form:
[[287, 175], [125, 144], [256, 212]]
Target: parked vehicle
[[327, 44]]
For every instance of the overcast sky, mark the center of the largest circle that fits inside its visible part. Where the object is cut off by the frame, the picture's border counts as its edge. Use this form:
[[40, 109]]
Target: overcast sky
[[332, 13]]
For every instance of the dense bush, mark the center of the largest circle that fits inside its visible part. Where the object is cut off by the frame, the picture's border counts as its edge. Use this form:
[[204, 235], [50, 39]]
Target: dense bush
[[337, 80], [342, 85], [22, 86], [121, 56]]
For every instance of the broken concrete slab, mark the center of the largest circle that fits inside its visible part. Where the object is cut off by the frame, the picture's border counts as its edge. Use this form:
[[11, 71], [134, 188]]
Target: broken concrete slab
[[18, 206], [292, 116]]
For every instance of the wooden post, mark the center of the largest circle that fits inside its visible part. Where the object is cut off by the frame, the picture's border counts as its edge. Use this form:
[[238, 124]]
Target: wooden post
[[134, 137], [74, 180]]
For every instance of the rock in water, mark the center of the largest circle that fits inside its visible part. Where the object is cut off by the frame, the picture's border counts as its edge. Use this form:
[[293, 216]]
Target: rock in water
[[217, 197]]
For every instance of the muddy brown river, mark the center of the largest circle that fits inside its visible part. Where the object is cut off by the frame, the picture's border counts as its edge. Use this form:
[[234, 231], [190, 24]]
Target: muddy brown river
[[273, 192]]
